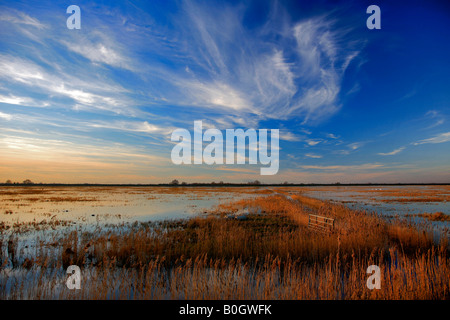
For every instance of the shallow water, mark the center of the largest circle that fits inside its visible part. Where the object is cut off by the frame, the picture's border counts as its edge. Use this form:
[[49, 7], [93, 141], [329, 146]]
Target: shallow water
[[386, 200], [43, 214], [36, 215], [92, 205]]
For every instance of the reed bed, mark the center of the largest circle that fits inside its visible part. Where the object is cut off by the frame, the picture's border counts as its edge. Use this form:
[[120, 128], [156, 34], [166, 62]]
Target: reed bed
[[436, 216], [270, 255]]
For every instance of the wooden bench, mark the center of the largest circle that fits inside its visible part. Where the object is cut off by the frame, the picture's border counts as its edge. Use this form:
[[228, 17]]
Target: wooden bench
[[320, 223]]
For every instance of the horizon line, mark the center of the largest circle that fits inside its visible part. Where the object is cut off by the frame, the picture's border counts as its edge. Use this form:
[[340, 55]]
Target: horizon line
[[260, 184]]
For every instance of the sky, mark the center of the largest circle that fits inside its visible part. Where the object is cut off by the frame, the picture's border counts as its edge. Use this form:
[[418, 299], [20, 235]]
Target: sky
[[98, 104]]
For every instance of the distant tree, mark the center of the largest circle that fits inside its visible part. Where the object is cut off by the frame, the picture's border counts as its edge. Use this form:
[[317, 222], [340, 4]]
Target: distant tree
[[27, 181], [175, 182], [255, 182], [8, 181], [183, 183], [221, 182], [285, 182]]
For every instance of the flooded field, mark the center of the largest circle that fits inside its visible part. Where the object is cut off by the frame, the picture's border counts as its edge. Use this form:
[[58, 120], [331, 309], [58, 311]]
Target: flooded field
[[93, 205], [223, 242], [388, 200], [84, 208], [108, 205]]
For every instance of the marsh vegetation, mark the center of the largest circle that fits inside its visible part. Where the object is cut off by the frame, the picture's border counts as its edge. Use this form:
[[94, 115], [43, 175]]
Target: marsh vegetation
[[271, 254]]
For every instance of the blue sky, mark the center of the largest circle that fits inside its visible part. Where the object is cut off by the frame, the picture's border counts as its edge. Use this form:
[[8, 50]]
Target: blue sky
[[99, 104]]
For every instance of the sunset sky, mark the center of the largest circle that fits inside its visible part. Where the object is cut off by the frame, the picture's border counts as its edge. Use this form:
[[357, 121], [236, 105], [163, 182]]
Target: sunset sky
[[99, 104]]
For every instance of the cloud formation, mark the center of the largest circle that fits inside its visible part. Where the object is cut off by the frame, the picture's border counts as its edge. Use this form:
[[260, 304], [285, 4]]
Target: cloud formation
[[226, 67], [136, 71], [394, 152], [440, 138]]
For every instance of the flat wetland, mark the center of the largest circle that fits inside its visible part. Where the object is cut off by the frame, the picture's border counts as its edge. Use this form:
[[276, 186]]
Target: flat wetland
[[93, 205], [385, 199], [224, 242]]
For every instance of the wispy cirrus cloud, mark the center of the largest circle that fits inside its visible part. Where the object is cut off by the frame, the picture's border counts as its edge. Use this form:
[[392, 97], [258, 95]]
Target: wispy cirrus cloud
[[366, 166], [227, 66], [323, 62], [332, 136], [92, 94], [5, 116], [134, 72], [313, 142], [394, 152], [208, 59], [131, 126], [313, 156], [17, 17], [355, 145], [22, 101], [436, 116], [289, 136], [440, 138], [99, 48], [351, 147], [217, 95]]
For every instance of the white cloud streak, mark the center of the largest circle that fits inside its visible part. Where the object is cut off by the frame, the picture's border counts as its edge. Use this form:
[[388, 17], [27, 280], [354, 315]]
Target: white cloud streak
[[313, 156], [394, 152], [99, 48], [211, 61], [5, 116], [440, 138], [337, 168], [89, 93], [131, 126], [228, 67], [17, 17]]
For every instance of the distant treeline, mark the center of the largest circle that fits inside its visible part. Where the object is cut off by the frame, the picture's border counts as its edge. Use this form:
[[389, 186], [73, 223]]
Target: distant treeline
[[175, 183]]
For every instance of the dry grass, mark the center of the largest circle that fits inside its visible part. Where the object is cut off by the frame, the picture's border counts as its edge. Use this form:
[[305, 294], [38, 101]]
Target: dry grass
[[437, 216], [271, 255], [440, 194], [405, 194], [418, 199]]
